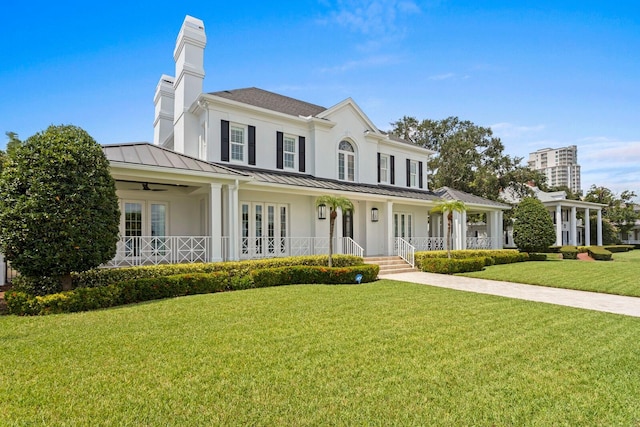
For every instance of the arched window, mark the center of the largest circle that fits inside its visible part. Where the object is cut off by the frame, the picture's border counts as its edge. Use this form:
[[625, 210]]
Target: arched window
[[346, 161]]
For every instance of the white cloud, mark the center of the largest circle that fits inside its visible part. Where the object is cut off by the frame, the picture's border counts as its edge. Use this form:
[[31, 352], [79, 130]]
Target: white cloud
[[510, 130], [445, 76], [369, 17], [372, 61]]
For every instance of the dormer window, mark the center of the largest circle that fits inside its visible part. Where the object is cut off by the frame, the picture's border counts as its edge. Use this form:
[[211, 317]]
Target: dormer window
[[346, 161]]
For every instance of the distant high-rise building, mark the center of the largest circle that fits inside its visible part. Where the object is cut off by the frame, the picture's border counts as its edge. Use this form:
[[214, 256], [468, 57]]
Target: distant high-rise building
[[560, 166]]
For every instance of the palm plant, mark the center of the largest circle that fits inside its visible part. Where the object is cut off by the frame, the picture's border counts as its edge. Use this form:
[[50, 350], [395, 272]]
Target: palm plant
[[334, 203], [448, 207]]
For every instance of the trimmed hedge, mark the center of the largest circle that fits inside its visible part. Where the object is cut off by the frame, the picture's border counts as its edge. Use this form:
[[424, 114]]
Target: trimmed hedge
[[312, 274], [496, 256], [237, 271], [619, 248], [599, 253], [569, 252], [454, 265], [151, 288], [537, 257], [127, 292]]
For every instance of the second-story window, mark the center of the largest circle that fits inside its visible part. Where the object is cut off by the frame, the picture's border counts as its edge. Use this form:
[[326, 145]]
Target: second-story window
[[346, 162], [289, 152], [237, 139], [413, 173], [384, 169]]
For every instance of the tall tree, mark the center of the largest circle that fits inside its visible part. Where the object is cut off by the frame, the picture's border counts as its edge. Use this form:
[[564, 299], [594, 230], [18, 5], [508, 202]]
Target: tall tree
[[448, 207], [334, 203], [58, 205], [468, 157]]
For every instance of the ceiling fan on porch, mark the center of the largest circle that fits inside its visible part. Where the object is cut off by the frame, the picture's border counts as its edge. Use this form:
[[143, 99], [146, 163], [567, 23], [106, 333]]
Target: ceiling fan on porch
[[145, 187]]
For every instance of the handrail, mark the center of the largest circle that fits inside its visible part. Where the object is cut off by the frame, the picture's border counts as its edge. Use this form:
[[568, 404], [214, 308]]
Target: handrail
[[350, 247], [405, 251]]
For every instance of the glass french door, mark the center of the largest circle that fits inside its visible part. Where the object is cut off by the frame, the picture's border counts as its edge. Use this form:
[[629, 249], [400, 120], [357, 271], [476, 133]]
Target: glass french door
[[403, 225], [264, 230], [144, 228]]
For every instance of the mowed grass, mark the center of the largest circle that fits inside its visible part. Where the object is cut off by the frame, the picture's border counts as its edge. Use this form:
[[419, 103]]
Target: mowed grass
[[620, 276], [386, 353]]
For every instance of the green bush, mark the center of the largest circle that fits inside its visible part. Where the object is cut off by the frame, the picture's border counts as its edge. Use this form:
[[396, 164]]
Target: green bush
[[496, 256], [277, 276], [454, 265], [126, 292], [619, 248], [537, 257], [599, 253], [533, 229], [569, 252], [238, 271]]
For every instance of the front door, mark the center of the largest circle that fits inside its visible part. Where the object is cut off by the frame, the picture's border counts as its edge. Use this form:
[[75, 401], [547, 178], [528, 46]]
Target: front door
[[264, 230], [347, 224]]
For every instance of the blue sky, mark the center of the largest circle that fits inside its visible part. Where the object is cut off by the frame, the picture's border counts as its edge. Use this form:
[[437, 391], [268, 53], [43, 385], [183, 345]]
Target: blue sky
[[540, 74]]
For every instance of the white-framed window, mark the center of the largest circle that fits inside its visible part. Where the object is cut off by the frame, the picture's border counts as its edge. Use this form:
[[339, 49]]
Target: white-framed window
[[238, 141], [264, 228], [413, 173], [384, 169], [403, 225], [346, 161], [289, 152]]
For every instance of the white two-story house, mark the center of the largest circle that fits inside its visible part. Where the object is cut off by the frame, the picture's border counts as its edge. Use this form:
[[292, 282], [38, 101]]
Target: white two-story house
[[235, 174]]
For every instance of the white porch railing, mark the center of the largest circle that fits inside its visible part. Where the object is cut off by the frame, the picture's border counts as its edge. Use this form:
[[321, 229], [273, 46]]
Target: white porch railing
[[146, 250], [482, 242], [267, 247], [405, 251], [427, 243], [631, 242], [350, 247]]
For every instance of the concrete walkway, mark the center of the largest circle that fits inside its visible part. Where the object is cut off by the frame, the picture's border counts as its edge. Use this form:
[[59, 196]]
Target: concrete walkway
[[629, 306]]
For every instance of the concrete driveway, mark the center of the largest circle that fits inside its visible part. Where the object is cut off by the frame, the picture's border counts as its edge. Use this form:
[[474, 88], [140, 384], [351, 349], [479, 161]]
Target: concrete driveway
[[629, 306]]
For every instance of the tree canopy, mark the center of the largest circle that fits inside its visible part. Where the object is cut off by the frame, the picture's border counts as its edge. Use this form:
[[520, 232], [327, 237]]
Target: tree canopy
[[619, 211], [468, 157], [58, 206]]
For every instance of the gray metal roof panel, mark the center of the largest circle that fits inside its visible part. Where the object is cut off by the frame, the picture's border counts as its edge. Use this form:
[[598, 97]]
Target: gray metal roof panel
[[146, 154]]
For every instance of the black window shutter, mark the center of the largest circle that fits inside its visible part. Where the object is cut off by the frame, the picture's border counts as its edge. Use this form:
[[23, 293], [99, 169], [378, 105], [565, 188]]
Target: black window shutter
[[392, 160], [224, 140], [408, 173], [420, 174], [301, 153], [378, 167], [279, 150], [252, 145]]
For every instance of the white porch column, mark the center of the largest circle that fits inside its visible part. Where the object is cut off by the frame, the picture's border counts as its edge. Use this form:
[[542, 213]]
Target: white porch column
[[599, 225], [573, 227], [558, 225], [389, 229], [215, 194], [459, 231], [233, 220], [3, 269], [499, 237], [587, 228], [464, 229]]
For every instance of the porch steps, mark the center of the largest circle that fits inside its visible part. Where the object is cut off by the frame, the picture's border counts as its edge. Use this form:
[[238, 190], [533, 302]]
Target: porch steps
[[390, 265]]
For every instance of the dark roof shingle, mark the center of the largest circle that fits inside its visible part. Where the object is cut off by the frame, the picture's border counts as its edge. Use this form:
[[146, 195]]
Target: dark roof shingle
[[271, 101]]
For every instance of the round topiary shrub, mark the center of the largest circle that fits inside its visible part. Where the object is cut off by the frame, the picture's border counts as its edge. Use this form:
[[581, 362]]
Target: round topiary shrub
[[533, 229]]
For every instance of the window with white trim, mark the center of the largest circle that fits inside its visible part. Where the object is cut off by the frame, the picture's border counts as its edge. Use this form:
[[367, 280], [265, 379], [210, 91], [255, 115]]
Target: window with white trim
[[384, 169], [413, 173], [237, 139], [346, 161], [289, 152]]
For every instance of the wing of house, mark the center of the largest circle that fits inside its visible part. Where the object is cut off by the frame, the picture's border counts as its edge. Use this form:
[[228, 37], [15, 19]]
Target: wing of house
[[235, 174]]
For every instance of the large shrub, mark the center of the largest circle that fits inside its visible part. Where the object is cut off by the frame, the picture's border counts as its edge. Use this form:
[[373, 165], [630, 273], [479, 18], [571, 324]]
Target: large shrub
[[533, 229], [58, 205]]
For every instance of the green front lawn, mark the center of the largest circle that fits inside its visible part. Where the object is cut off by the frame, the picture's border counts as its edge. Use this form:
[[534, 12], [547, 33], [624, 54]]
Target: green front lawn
[[620, 276], [386, 353]]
